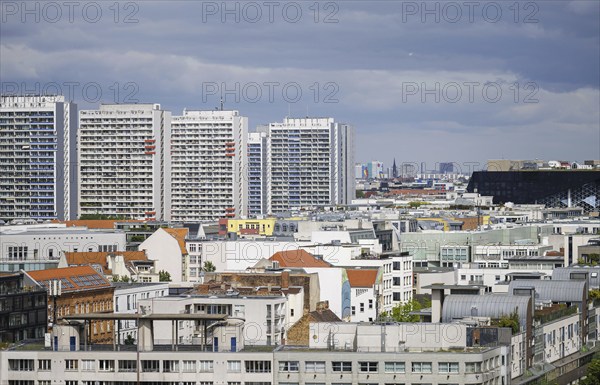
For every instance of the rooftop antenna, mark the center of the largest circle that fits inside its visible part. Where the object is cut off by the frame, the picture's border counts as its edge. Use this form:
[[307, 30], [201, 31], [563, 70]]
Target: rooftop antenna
[[221, 103]]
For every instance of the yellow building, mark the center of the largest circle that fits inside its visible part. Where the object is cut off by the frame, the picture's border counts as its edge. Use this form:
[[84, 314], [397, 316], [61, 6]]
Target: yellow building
[[251, 226]]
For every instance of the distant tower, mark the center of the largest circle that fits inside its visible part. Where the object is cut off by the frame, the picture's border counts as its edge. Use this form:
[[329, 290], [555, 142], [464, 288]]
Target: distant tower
[[394, 170]]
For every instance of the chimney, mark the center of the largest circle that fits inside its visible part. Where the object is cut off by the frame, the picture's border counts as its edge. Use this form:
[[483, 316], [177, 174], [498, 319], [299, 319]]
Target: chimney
[[323, 305], [285, 279], [437, 303]]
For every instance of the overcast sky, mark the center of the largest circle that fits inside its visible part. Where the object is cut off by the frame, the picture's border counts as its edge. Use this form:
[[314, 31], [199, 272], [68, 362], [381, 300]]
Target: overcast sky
[[421, 82]]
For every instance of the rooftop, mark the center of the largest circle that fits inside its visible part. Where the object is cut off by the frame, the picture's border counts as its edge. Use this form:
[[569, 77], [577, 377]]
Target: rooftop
[[298, 258], [72, 278], [362, 277]]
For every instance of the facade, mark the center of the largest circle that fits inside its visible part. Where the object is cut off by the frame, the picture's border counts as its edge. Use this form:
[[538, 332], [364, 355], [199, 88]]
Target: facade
[[209, 165], [167, 248], [38, 175], [358, 354], [364, 294], [82, 290], [126, 297], [264, 315], [124, 161], [552, 188], [23, 308], [257, 173], [310, 163], [38, 247]]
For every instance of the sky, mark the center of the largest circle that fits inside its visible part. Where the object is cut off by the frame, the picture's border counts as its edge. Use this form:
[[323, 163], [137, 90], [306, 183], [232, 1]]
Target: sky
[[420, 81]]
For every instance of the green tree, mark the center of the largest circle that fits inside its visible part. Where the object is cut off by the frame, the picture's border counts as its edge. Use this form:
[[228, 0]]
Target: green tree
[[593, 372], [594, 294], [124, 278], [115, 278], [164, 276], [208, 266], [401, 312], [510, 321], [360, 194]]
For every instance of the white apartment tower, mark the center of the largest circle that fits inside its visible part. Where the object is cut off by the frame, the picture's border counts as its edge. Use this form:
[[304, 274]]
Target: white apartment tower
[[209, 166], [124, 162], [310, 163], [38, 176], [257, 172]]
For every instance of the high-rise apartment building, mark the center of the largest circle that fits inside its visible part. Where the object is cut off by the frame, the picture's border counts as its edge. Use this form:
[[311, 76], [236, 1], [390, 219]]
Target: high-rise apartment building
[[208, 166], [124, 161], [310, 163], [257, 172], [38, 177]]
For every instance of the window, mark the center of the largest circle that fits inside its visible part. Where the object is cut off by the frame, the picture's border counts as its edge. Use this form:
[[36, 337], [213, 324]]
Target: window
[[71, 364], [367, 366], [473, 367], [362, 307], [288, 366], [421, 367], [71, 382], [171, 366], [341, 366], [234, 366], [395, 367], [353, 310], [314, 366], [44, 382], [150, 366], [206, 366], [44, 365], [88, 365], [127, 365], [448, 367], [370, 304], [189, 366], [106, 365], [21, 365]]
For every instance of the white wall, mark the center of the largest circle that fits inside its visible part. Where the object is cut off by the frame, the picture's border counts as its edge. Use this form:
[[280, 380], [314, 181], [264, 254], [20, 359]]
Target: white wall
[[164, 249]]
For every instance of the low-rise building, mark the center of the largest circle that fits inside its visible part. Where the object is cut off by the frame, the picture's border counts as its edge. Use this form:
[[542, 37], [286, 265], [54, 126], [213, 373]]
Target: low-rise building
[[23, 308], [82, 290], [126, 297]]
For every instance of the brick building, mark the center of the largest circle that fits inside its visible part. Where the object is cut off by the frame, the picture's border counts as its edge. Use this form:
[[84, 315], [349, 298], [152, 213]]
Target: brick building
[[83, 290]]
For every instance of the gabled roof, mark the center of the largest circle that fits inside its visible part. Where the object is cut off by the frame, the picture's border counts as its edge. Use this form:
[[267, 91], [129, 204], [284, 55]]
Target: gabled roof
[[324, 315], [100, 258], [298, 258], [72, 279], [362, 277], [179, 234]]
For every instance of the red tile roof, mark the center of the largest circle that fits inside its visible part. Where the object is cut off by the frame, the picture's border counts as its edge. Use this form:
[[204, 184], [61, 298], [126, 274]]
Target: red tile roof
[[180, 235], [361, 277], [72, 278], [298, 258], [99, 258]]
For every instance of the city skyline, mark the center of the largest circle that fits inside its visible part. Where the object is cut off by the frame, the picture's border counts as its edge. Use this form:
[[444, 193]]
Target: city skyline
[[413, 88]]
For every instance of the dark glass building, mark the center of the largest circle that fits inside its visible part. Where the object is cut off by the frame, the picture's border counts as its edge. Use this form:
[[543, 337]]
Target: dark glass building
[[562, 188], [23, 308]]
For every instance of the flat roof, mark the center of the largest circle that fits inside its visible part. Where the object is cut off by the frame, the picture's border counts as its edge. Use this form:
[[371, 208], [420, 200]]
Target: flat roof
[[452, 287], [154, 317]]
